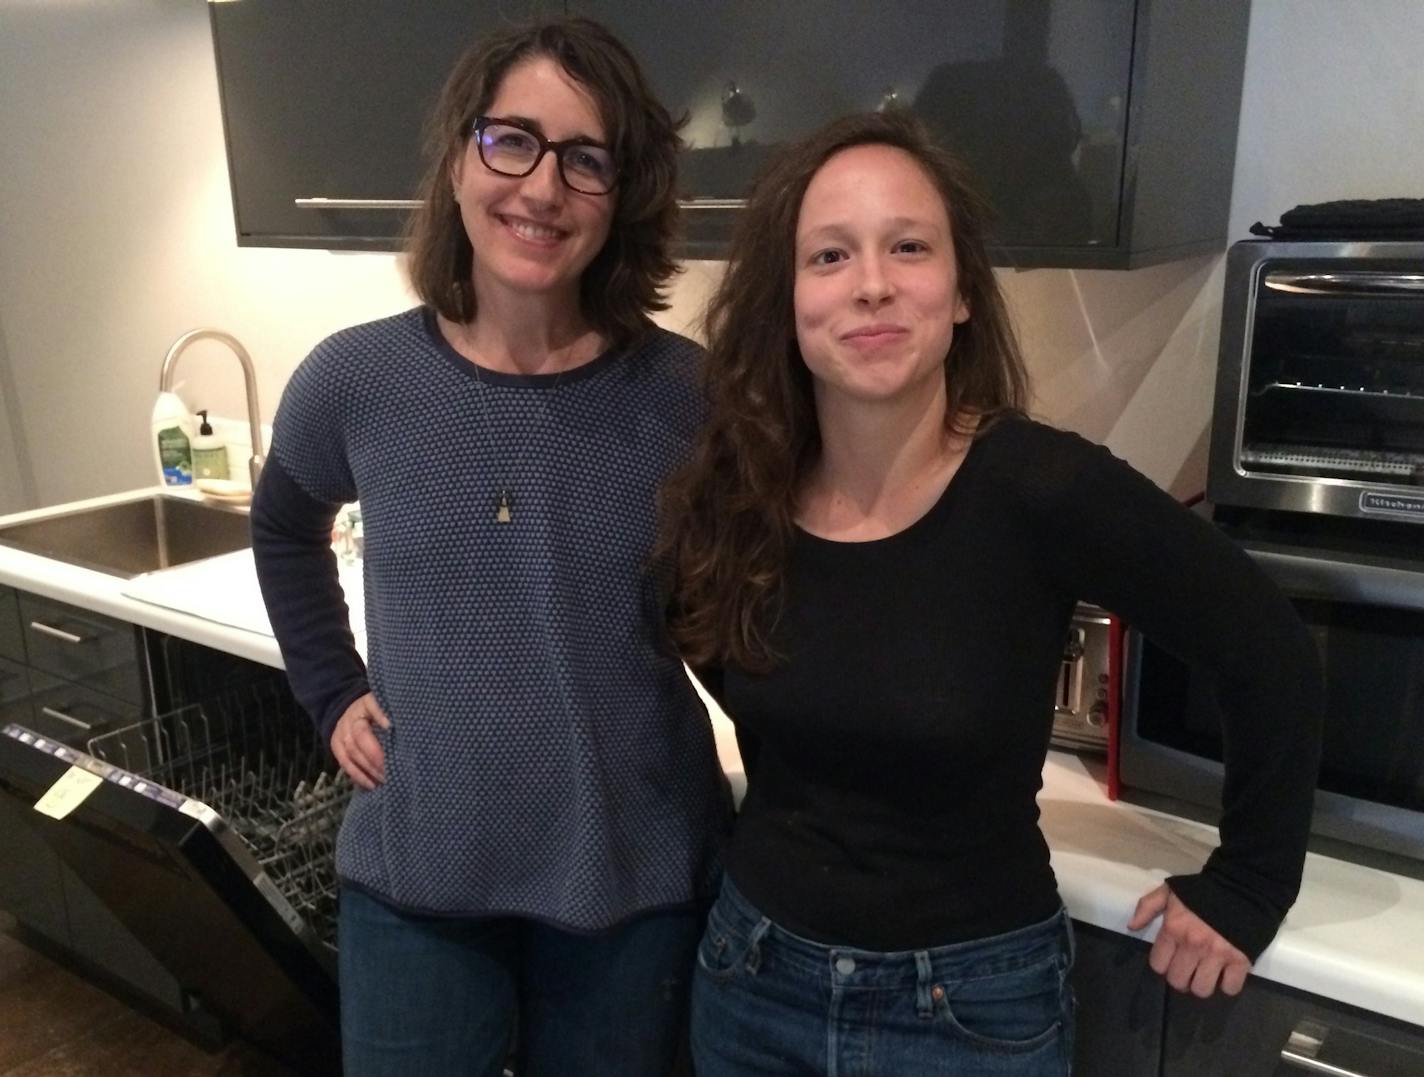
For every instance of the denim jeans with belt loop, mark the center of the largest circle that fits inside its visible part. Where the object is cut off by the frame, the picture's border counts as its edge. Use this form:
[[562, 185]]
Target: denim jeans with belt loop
[[767, 1002], [425, 996]]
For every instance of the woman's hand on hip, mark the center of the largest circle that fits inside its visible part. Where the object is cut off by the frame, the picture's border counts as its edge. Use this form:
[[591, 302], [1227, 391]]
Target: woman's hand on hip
[[355, 745], [1188, 951]]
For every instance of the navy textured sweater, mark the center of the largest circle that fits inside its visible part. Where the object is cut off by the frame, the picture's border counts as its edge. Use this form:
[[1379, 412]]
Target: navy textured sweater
[[894, 759], [548, 756]]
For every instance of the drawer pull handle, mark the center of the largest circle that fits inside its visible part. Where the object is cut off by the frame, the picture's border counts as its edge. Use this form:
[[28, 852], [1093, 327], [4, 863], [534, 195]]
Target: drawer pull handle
[[57, 633], [60, 716], [1303, 1048]]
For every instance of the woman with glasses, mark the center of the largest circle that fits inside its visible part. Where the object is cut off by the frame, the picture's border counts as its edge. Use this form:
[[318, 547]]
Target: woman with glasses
[[538, 796]]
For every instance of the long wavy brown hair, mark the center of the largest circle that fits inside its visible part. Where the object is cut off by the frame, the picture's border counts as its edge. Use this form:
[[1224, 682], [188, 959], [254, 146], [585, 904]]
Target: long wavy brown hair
[[728, 515], [624, 282]]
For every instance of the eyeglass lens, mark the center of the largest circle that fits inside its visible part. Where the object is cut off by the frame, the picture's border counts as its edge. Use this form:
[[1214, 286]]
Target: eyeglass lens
[[514, 151]]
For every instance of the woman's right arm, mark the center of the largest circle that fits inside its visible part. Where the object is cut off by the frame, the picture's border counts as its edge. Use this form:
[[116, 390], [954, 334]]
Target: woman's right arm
[[308, 477], [296, 568]]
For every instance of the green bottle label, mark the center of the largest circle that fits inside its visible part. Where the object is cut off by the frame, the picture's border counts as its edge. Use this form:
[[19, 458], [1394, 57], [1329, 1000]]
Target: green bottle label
[[175, 456]]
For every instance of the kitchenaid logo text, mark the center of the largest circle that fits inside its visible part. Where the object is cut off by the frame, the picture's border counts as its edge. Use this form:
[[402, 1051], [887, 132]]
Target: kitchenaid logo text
[[1393, 504]]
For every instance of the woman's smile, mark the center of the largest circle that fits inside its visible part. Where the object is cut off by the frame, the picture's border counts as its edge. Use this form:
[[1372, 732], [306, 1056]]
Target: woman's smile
[[870, 337], [543, 235]]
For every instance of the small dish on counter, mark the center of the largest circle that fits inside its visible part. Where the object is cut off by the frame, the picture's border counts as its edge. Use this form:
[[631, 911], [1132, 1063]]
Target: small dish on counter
[[224, 491]]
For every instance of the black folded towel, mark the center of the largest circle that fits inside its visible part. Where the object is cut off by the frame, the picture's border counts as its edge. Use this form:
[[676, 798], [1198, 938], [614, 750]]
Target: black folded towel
[[1350, 218]]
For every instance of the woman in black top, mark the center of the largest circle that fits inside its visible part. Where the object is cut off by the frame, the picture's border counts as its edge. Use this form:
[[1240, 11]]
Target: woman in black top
[[877, 555]]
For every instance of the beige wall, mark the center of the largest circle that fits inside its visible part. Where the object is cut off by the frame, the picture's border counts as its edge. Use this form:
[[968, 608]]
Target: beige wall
[[116, 236]]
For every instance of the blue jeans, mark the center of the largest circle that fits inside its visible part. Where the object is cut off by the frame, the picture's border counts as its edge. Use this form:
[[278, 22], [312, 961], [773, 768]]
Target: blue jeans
[[767, 1002], [432, 996]]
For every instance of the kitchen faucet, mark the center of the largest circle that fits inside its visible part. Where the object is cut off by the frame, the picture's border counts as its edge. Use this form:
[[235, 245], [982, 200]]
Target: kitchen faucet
[[249, 379]]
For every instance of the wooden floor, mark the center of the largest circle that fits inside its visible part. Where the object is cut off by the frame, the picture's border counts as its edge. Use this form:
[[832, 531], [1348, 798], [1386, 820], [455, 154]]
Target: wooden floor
[[55, 1024]]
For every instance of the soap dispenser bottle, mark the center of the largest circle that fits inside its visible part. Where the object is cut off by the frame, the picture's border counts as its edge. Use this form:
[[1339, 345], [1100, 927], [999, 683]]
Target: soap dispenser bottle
[[172, 429], [209, 452]]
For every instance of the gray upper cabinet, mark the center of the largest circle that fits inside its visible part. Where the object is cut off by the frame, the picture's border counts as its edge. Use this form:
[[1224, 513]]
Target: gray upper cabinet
[[327, 101], [1103, 131]]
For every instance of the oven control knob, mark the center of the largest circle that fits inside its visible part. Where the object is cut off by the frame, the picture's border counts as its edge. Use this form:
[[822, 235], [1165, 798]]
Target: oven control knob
[[1097, 716], [1072, 649]]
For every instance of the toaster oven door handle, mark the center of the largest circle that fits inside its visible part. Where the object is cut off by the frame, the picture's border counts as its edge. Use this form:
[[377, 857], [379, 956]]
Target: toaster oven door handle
[[1318, 576], [1346, 284]]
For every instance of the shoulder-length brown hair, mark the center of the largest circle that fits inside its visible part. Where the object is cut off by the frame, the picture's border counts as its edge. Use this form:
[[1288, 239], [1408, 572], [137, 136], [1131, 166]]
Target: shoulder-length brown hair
[[728, 515], [624, 281]]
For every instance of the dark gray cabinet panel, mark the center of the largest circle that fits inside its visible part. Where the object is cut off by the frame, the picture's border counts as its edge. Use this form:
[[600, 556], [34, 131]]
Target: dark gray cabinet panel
[[1034, 95], [1103, 131], [14, 693], [1120, 1006], [12, 640], [324, 100], [1188, 61], [1251, 1035]]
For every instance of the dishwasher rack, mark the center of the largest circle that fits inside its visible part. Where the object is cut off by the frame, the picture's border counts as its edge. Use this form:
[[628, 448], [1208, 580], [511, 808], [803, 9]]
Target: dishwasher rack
[[251, 756]]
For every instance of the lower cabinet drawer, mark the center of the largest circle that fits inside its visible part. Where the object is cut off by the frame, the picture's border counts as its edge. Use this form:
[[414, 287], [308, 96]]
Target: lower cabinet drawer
[[12, 640], [1274, 1031], [93, 650], [73, 714], [14, 693]]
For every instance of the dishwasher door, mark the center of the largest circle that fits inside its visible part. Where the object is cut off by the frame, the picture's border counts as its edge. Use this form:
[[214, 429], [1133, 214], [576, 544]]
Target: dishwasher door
[[178, 877]]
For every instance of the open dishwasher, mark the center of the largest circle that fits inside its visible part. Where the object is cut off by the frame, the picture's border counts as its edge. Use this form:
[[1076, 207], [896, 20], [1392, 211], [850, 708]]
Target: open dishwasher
[[209, 833]]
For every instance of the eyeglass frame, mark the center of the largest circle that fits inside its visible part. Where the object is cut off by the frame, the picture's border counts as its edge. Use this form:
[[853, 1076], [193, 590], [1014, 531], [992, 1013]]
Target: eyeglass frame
[[479, 123]]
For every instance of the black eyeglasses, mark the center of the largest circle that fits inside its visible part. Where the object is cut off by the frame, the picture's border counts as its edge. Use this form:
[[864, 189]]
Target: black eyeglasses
[[513, 149]]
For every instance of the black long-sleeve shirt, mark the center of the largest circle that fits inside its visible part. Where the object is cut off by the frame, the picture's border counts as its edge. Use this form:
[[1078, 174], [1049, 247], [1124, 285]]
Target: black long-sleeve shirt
[[900, 747]]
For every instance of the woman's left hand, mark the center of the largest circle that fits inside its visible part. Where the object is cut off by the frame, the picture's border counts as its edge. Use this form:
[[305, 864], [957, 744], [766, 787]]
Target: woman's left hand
[[1188, 952]]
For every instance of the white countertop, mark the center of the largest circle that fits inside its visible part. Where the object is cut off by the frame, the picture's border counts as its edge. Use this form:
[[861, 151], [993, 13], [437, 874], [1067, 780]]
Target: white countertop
[[1355, 935]]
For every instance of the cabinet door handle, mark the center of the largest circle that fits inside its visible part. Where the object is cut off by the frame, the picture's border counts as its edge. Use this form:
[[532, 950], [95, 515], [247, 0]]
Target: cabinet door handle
[[357, 203], [77, 723], [416, 203], [57, 633], [712, 203]]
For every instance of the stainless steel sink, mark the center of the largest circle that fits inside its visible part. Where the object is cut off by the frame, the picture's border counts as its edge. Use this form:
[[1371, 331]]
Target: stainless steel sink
[[131, 537]]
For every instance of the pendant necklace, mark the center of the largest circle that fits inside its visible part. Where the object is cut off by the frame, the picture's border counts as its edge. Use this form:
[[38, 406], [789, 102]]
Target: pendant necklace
[[504, 501]]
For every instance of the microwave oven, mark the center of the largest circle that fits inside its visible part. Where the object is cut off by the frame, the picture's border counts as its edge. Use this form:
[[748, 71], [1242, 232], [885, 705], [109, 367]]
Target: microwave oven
[[1360, 592]]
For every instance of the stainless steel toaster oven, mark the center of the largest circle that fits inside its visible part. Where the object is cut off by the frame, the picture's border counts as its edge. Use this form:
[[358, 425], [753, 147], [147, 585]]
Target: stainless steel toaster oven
[[1319, 404]]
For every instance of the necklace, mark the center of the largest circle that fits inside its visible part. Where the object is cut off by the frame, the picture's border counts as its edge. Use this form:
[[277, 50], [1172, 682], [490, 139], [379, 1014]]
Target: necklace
[[504, 499]]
